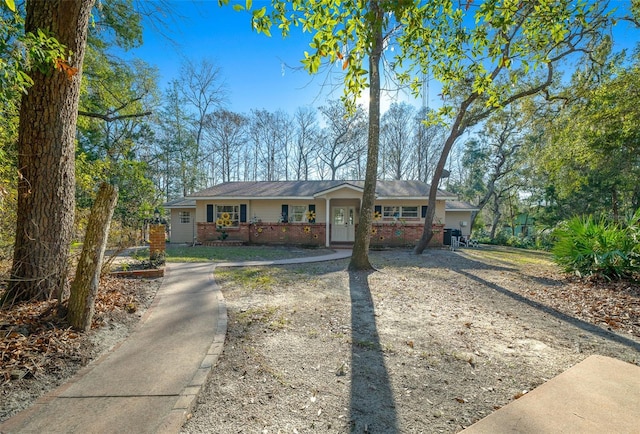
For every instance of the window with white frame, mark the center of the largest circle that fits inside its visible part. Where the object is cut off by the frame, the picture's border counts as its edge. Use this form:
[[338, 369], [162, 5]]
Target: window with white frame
[[391, 212], [409, 212], [298, 213], [227, 215], [396, 212], [185, 216]]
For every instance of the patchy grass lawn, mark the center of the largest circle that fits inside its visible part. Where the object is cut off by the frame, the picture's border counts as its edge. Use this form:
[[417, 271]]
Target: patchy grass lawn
[[182, 253]]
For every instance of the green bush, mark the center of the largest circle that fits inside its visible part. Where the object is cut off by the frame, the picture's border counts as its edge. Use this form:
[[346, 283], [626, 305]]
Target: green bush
[[589, 247]]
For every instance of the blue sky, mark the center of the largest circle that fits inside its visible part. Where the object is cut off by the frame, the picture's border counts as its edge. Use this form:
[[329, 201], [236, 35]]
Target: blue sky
[[259, 71]]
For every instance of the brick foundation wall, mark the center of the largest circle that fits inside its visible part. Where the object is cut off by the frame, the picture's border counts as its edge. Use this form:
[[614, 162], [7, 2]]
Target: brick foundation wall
[[209, 232], [307, 234], [393, 235], [274, 233], [313, 234]]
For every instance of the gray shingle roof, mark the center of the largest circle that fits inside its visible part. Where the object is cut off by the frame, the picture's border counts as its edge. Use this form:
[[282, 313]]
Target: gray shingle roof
[[183, 202], [458, 205], [309, 189]]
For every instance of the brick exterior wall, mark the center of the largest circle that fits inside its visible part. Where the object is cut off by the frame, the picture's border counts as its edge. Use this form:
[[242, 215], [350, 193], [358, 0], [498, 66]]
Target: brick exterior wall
[[398, 234], [308, 234], [157, 240], [274, 233]]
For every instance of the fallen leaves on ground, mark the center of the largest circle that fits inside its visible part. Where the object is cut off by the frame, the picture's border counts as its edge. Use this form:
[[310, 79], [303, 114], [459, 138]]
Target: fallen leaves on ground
[[614, 305], [35, 339]]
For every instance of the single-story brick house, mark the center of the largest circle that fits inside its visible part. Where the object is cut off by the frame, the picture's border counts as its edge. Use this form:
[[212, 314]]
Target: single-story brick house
[[320, 213]]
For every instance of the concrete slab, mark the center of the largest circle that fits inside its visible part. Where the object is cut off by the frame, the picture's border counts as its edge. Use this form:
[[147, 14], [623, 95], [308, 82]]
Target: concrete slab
[[598, 395]]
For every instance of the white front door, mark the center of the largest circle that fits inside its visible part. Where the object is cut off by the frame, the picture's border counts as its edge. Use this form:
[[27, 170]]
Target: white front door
[[343, 228]]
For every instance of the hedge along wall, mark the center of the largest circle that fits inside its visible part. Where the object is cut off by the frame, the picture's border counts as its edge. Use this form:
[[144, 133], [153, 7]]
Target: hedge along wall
[[313, 234]]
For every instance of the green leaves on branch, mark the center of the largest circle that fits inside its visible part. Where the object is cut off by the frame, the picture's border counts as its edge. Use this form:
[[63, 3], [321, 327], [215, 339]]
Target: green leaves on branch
[[21, 53], [493, 50], [11, 4]]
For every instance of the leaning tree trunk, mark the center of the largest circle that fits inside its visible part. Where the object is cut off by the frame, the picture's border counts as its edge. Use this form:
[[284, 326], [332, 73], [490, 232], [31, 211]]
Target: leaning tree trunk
[[427, 233], [84, 288], [459, 125], [46, 152], [360, 256]]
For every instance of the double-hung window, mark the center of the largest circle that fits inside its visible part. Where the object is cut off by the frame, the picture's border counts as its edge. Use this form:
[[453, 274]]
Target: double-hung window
[[227, 215], [297, 213], [185, 217], [398, 212]]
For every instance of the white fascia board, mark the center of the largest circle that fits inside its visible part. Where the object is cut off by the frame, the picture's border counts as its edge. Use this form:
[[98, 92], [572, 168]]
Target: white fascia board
[[438, 198], [338, 187], [255, 198]]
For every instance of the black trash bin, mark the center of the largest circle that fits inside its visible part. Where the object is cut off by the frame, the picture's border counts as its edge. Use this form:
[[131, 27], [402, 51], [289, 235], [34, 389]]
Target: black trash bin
[[446, 239]]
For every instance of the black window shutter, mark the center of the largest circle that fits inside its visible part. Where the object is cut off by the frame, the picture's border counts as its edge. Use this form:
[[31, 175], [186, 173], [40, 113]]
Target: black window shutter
[[312, 209], [378, 209], [424, 211], [243, 213], [285, 213], [209, 213]]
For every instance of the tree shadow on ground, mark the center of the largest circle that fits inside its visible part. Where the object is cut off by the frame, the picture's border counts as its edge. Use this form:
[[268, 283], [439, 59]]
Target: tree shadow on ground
[[372, 402], [466, 266]]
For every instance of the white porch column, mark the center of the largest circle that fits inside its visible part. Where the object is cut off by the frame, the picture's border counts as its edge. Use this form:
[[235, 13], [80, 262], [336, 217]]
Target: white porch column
[[327, 241]]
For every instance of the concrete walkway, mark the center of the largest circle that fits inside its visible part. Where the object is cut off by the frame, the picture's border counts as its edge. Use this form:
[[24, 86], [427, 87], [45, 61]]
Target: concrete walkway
[[149, 382], [337, 254]]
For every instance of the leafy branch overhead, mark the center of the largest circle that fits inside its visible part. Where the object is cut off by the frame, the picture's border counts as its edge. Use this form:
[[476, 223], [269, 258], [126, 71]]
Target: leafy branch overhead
[[494, 48]]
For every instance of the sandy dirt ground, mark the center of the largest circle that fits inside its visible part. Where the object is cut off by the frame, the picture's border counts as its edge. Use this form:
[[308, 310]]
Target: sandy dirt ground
[[425, 344]]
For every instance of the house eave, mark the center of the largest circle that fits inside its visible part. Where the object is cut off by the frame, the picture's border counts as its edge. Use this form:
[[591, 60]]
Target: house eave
[[180, 207], [241, 198], [413, 198]]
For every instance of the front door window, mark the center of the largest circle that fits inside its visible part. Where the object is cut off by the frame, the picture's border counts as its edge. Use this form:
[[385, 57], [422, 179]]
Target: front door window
[[343, 224]]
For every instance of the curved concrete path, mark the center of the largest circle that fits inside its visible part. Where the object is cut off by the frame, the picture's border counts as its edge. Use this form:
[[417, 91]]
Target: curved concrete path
[[149, 382], [337, 254]]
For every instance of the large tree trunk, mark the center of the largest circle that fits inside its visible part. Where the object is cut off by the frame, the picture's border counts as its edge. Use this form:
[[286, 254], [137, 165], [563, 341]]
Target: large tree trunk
[[84, 288], [46, 147], [360, 256]]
